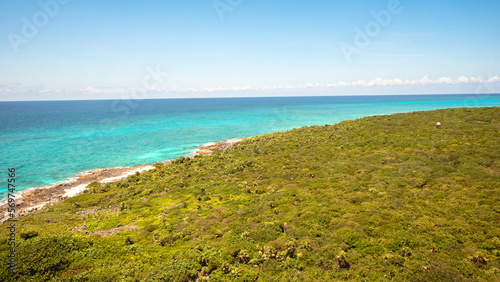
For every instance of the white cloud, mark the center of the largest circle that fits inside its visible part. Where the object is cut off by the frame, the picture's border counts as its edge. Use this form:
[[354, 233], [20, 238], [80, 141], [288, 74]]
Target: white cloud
[[376, 82], [359, 83], [496, 78], [425, 80], [104, 90], [445, 80]]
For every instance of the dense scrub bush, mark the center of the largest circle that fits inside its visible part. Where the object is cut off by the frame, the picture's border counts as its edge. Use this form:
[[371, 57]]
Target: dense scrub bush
[[28, 235], [379, 198], [44, 257]]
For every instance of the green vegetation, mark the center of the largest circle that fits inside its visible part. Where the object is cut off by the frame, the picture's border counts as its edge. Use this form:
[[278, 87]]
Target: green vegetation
[[379, 198], [28, 235]]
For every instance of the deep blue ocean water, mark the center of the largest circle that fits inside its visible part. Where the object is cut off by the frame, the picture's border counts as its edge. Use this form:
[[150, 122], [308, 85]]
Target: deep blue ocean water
[[49, 142]]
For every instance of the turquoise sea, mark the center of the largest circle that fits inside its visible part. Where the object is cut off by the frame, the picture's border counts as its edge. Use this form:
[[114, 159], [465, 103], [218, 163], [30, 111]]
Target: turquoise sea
[[48, 142]]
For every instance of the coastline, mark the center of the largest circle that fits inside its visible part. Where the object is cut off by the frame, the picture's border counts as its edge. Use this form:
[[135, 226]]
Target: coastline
[[33, 199]]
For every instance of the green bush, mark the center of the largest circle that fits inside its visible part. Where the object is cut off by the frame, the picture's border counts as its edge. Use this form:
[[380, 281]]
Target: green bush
[[177, 270], [380, 198], [48, 255], [28, 235]]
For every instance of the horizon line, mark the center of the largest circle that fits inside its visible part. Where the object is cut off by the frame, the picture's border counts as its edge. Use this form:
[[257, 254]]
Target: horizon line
[[242, 97]]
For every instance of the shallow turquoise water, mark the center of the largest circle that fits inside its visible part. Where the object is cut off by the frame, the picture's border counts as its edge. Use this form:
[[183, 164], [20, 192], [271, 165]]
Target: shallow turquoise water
[[50, 141]]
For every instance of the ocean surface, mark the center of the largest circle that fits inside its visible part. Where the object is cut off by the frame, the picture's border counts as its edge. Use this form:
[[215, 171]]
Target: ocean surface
[[49, 142]]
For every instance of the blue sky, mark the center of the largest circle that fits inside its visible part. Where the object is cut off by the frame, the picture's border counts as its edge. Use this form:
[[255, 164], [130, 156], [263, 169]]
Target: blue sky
[[204, 48]]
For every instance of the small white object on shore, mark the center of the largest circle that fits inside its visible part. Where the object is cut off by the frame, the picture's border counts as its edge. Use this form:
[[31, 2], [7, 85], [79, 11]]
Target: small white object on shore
[[438, 125]]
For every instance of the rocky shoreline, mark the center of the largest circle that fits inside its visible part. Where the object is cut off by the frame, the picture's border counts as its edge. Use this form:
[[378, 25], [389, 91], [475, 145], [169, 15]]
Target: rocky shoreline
[[33, 199]]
